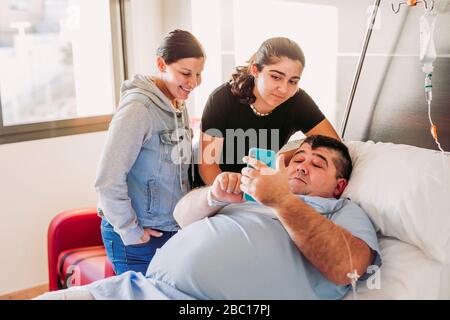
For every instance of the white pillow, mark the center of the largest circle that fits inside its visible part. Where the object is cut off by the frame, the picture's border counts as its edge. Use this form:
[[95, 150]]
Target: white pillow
[[405, 190]]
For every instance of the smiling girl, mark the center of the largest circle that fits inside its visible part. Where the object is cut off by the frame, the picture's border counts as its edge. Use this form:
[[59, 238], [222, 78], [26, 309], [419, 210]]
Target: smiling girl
[[143, 171]]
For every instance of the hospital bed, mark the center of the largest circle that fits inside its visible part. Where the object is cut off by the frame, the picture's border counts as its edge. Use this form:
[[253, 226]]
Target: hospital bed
[[404, 189], [406, 192], [407, 273]]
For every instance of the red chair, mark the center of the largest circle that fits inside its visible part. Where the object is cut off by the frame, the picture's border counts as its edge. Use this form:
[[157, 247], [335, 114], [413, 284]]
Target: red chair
[[76, 255]]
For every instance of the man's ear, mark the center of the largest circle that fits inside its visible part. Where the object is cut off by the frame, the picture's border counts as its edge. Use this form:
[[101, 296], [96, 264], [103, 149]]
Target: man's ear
[[160, 64], [340, 187]]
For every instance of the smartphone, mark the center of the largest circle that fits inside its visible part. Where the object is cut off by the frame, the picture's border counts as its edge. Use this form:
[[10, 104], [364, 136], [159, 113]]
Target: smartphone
[[269, 157]]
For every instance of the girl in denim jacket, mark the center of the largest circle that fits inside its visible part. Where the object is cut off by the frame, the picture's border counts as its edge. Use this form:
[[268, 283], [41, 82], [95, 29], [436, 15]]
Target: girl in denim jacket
[[143, 171]]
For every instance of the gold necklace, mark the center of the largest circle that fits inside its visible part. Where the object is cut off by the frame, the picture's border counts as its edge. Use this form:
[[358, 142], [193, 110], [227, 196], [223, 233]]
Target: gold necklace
[[259, 114]]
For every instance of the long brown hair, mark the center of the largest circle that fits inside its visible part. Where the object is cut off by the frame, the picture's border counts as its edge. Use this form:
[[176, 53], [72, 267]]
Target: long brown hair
[[242, 81]]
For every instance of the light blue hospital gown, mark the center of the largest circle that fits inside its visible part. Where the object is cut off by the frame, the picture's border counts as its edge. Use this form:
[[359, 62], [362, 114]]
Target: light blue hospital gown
[[241, 253]]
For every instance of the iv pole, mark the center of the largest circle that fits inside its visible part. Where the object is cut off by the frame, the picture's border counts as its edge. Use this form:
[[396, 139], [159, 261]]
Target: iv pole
[[360, 65]]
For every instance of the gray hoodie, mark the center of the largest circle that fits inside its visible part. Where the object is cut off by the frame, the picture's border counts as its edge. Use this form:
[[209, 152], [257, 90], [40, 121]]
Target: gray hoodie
[[143, 169]]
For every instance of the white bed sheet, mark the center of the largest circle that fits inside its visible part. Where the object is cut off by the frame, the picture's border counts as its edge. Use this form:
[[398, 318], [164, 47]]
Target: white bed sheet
[[406, 274]]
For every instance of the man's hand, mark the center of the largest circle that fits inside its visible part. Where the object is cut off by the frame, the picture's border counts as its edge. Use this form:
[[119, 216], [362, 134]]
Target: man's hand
[[196, 205], [226, 187], [270, 187]]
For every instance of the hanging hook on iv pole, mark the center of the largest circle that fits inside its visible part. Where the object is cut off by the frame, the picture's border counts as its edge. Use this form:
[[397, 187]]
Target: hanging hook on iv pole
[[413, 3]]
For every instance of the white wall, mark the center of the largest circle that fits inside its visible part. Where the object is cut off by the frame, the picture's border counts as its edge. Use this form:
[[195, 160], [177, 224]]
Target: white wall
[[148, 21], [38, 179], [144, 31], [177, 14]]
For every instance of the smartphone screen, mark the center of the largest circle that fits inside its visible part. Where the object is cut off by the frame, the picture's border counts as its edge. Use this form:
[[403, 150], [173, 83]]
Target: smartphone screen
[[267, 156]]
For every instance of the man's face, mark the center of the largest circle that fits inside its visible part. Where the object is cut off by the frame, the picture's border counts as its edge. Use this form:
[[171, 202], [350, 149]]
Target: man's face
[[313, 173]]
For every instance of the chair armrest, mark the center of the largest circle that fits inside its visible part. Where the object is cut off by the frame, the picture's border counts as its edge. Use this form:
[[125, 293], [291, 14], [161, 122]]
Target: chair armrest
[[71, 229]]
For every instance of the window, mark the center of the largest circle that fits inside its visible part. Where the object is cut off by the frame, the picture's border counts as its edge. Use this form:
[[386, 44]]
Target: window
[[244, 25], [60, 65]]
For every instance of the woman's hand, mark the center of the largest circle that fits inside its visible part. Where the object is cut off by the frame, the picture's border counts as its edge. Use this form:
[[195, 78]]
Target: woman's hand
[[148, 233]]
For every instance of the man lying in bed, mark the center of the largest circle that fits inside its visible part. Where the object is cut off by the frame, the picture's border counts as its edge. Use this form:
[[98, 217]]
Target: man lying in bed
[[299, 242]]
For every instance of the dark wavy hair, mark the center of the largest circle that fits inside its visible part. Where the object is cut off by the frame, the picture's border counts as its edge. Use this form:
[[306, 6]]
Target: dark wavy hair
[[179, 44], [343, 162], [242, 81]]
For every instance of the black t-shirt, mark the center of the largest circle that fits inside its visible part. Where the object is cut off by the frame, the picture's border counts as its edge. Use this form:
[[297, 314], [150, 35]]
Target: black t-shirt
[[225, 116]]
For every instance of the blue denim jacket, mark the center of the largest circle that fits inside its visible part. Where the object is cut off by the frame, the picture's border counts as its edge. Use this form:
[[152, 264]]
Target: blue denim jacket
[[154, 184], [141, 175]]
